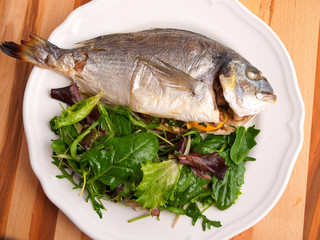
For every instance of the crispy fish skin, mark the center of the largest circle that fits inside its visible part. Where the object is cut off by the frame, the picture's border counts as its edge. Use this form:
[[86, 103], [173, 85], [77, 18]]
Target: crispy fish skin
[[161, 72]]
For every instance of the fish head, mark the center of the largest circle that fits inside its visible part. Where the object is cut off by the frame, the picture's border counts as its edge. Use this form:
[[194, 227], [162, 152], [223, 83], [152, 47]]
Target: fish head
[[245, 88]]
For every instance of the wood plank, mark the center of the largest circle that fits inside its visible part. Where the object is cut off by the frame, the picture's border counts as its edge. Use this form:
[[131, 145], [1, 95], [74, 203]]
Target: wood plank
[[11, 129], [23, 198], [44, 217], [312, 210]]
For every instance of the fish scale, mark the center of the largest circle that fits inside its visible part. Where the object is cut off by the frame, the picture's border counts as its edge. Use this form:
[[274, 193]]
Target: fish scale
[[167, 73]]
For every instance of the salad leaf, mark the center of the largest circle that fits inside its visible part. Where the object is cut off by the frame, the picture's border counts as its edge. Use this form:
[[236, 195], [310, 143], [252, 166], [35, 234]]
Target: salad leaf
[[52, 124], [122, 161], [77, 112], [101, 163], [105, 120], [158, 182], [194, 212], [188, 187], [73, 146], [212, 163], [122, 125], [69, 134], [96, 205], [65, 174], [226, 191], [59, 146], [115, 156], [244, 141], [125, 111], [212, 143], [69, 94]]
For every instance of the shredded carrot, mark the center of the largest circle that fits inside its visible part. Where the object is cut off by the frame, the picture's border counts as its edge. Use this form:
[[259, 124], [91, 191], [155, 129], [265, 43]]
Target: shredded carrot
[[206, 127]]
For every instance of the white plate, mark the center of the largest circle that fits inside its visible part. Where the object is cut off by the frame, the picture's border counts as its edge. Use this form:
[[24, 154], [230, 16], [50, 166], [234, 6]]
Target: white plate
[[224, 20]]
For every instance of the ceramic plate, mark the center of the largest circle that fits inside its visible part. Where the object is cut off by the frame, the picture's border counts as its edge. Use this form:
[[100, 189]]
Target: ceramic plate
[[226, 21]]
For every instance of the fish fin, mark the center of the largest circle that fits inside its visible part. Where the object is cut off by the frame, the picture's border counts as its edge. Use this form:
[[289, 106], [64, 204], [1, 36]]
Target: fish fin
[[35, 50], [11, 49], [88, 42], [154, 82], [168, 75]]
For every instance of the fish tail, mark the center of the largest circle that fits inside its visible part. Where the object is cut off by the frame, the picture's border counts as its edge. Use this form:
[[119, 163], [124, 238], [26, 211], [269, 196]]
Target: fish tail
[[11, 49], [36, 51]]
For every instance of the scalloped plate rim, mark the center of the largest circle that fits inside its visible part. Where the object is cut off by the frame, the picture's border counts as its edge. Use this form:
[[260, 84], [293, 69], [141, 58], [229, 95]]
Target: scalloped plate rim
[[298, 119]]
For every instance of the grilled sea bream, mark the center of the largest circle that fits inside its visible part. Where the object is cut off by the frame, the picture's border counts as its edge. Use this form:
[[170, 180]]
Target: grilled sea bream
[[165, 73]]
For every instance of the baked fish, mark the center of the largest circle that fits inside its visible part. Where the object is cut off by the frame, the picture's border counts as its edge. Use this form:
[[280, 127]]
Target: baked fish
[[166, 73]]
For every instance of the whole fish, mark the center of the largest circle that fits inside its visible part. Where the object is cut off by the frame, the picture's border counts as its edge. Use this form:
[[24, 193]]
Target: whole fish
[[165, 73]]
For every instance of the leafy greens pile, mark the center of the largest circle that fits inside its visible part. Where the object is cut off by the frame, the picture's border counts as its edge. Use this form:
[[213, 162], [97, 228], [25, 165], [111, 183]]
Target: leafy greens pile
[[119, 158]]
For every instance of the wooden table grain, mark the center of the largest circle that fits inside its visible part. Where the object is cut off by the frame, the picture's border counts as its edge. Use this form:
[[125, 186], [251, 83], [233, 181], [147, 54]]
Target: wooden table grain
[[26, 213]]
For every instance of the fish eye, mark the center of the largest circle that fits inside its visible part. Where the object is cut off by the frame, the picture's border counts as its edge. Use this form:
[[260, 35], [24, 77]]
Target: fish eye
[[253, 74]]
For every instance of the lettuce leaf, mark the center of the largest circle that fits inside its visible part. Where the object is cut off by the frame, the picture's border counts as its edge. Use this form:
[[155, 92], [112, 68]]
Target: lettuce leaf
[[158, 183]]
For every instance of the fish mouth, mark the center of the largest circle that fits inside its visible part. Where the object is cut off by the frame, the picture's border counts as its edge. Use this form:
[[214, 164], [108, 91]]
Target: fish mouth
[[266, 97]]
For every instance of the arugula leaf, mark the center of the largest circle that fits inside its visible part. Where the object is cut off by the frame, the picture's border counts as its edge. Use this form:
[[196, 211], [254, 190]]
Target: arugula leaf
[[96, 205], [65, 174], [244, 141], [158, 182], [61, 145], [194, 212], [122, 161]]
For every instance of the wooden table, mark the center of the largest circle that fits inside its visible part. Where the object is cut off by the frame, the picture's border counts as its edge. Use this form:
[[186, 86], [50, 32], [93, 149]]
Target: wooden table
[[26, 213]]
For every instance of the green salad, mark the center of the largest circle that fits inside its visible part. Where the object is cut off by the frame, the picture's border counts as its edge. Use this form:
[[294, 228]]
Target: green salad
[[110, 154]]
